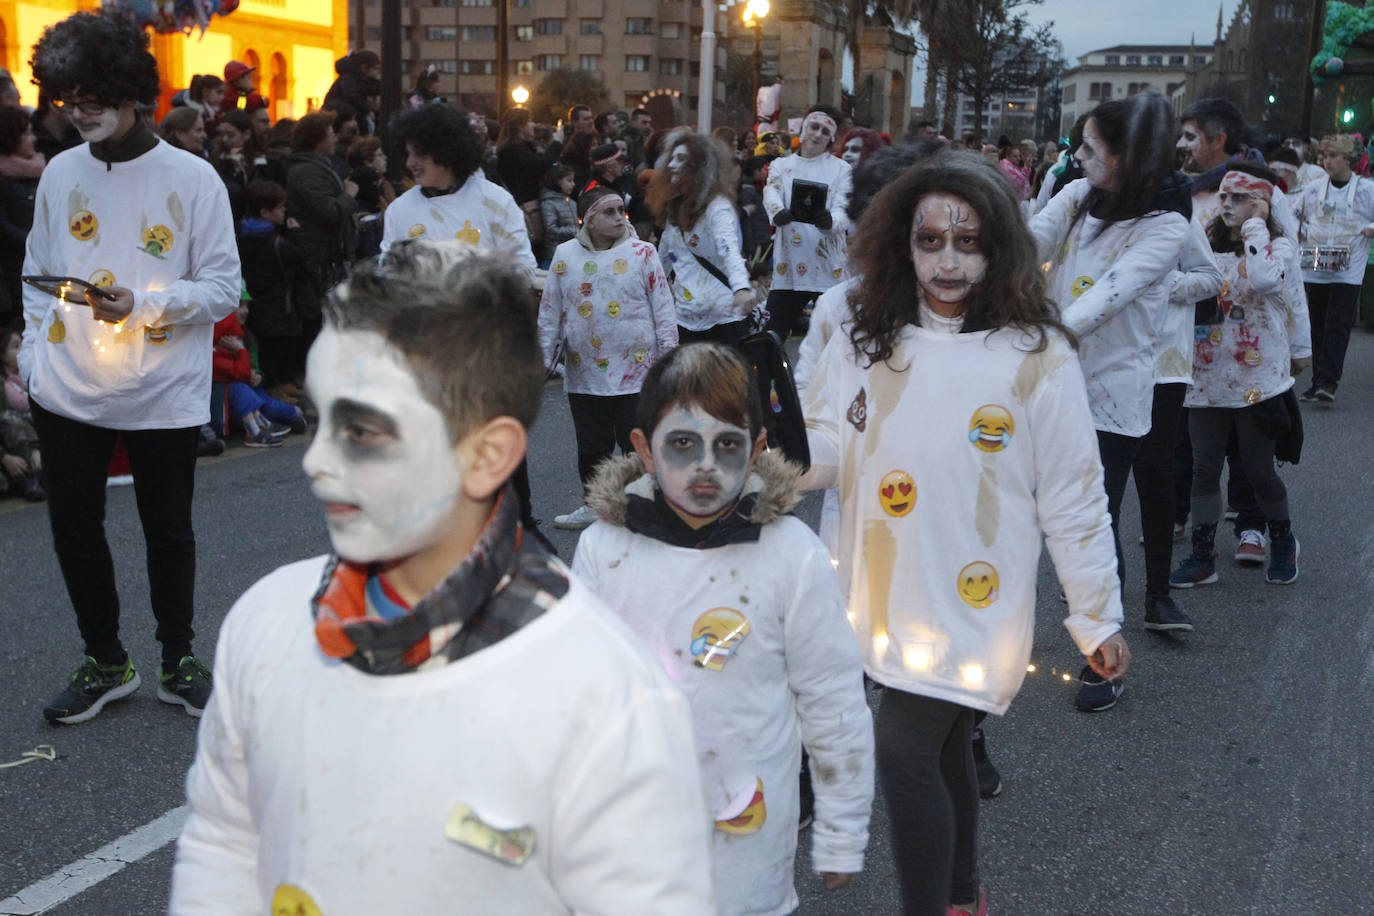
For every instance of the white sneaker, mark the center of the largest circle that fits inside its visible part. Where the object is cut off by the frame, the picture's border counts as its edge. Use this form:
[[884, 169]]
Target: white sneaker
[[576, 520], [1253, 548]]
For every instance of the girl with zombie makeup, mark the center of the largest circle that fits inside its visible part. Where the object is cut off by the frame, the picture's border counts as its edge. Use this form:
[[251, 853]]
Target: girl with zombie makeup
[[858, 144], [692, 196], [805, 198], [696, 550], [607, 308], [1113, 239], [1243, 363], [952, 414]]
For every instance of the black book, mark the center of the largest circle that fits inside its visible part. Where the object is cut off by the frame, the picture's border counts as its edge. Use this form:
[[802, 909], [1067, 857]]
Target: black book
[[808, 200]]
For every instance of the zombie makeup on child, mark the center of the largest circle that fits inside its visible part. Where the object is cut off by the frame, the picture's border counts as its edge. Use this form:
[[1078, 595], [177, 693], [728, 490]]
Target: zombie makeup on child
[[605, 221], [677, 160], [947, 251], [382, 462], [853, 151], [817, 133], [700, 462]]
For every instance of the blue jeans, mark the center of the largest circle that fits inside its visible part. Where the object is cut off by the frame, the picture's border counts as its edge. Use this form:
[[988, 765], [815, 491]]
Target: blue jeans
[[244, 399]]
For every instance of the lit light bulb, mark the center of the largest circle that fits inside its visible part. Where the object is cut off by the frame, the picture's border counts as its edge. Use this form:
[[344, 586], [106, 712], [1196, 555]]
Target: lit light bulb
[[850, 615], [1066, 676], [973, 674], [1030, 669], [880, 642], [917, 657]]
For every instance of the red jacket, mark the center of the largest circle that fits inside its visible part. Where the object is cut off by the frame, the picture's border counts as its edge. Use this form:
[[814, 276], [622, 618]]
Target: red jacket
[[231, 367]]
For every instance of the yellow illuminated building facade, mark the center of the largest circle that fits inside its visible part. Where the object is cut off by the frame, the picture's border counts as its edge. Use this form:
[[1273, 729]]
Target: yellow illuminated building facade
[[293, 44]]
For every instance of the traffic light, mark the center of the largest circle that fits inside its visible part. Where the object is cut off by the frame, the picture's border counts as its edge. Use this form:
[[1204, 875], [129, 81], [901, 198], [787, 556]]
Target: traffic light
[[1347, 116], [1271, 99]]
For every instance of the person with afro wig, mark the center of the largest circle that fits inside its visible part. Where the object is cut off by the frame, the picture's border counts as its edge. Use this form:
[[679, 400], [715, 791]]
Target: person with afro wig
[[451, 198], [149, 227]]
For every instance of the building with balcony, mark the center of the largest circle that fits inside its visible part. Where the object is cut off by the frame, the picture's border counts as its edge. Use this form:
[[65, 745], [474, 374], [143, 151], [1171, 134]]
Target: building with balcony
[[1122, 71]]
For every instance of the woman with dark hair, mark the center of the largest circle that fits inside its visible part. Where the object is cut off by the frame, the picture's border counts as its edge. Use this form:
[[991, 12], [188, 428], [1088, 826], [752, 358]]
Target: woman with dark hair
[[20, 167], [324, 206], [205, 94], [577, 155], [1242, 368], [426, 88], [692, 195], [451, 197], [1112, 239], [1009, 161], [952, 416], [233, 160], [184, 128], [521, 168]]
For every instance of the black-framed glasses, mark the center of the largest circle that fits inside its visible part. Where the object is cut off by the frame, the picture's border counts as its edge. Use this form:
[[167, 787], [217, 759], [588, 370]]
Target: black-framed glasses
[[89, 107]]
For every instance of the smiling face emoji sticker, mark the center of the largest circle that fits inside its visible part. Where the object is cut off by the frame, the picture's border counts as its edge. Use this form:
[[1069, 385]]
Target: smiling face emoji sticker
[[716, 635], [751, 819], [897, 493], [83, 225], [978, 584], [991, 428]]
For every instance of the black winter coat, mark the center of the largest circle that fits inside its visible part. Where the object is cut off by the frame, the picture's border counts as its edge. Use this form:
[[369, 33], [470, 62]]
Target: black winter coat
[[315, 198], [273, 266]]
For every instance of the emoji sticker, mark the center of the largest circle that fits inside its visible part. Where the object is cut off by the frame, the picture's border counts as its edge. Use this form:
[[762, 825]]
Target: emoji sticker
[[716, 636], [603, 364], [1215, 336], [837, 272], [560, 267], [417, 231], [511, 845], [694, 241], [751, 819], [589, 268], [468, 234], [585, 289], [978, 584], [1236, 313], [1253, 396], [157, 336], [1080, 286], [781, 268], [102, 278], [640, 354], [83, 225], [156, 241], [57, 331], [801, 268], [897, 493], [620, 266], [585, 309], [1252, 357], [991, 428], [596, 342], [290, 900], [575, 359], [686, 294], [613, 309], [858, 411], [796, 237]]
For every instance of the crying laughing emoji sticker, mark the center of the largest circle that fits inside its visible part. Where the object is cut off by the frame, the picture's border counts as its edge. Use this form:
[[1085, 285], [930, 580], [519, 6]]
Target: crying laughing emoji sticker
[[991, 428]]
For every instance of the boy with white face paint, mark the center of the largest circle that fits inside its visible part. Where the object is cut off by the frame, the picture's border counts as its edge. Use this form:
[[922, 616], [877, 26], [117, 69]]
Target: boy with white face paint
[[696, 551], [437, 627], [805, 198]]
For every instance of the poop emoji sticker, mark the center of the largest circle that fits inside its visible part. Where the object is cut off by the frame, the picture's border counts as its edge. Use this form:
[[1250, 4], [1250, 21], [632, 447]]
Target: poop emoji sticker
[[1080, 286], [991, 428], [749, 820], [290, 900], [897, 493], [858, 411], [157, 241], [716, 636], [83, 225], [978, 584]]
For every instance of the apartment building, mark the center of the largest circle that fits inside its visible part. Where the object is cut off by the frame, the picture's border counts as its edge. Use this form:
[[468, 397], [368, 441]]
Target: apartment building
[[1122, 71]]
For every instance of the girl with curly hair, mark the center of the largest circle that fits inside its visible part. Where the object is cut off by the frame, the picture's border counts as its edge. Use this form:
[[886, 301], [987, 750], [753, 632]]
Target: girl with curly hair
[[692, 196], [952, 415]]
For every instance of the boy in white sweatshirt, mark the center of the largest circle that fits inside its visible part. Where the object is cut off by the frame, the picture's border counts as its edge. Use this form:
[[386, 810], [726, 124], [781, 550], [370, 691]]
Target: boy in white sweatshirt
[[439, 714], [738, 601]]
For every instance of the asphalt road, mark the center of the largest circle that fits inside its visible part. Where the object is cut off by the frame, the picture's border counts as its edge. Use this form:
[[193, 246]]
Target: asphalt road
[[1233, 776]]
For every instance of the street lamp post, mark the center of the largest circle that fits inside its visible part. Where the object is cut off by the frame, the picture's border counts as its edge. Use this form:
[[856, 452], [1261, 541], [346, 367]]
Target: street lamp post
[[754, 11]]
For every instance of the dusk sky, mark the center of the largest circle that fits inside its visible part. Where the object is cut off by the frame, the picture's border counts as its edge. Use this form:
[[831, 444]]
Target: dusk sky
[[1085, 25]]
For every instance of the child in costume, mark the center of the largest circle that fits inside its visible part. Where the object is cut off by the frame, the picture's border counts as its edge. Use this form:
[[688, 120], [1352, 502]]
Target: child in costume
[[438, 715], [950, 410], [606, 304], [696, 551]]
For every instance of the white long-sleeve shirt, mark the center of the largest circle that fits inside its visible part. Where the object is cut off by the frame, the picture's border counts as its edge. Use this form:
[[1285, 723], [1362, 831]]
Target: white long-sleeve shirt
[[1245, 359], [1332, 217], [479, 213], [701, 300], [1196, 277], [806, 257], [828, 315], [1110, 281], [160, 225], [612, 311], [943, 501], [312, 774], [793, 679]]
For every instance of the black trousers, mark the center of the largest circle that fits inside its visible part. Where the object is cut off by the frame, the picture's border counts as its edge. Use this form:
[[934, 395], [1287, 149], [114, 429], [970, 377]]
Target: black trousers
[[730, 333], [278, 359], [1153, 470], [1332, 307], [785, 307], [925, 766], [601, 423], [76, 460], [1118, 455], [1240, 495]]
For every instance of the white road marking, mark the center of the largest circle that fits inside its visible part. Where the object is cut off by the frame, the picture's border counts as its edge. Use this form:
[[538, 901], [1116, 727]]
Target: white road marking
[[88, 871]]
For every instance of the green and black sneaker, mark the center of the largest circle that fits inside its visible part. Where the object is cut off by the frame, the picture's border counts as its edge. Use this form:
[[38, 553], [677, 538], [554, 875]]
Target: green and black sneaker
[[188, 685], [91, 687]]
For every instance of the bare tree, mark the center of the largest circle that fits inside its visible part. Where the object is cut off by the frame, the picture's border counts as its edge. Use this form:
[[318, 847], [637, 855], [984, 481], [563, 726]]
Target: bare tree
[[991, 47]]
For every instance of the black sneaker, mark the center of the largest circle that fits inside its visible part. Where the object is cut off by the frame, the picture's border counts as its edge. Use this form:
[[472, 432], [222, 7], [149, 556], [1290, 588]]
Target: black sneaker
[[1309, 395], [189, 685], [989, 780], [1324, 396], [1096, 694], [1283, 560], [1161, 613], [91, 687]]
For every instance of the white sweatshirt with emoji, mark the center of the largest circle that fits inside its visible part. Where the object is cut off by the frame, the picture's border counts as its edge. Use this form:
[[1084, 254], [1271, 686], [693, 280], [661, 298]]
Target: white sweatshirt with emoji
[[159, 225], [953, 457], [548, 774], [479, 213], [807, 258]]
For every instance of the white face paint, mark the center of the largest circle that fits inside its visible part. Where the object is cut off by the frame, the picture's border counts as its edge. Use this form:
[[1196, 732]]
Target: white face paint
[[381, 462], [946, 251], [1100, 166], [853, 152], [1190, 141], [700, 462], [677, 160], [94, 128], [1237, 208], [816, 136]]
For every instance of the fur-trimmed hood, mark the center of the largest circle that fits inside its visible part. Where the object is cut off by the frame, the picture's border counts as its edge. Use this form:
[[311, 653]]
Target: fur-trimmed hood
[[772, 482]]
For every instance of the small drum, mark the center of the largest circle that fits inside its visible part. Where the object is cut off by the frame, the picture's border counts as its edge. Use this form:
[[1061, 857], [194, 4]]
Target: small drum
[[1325, 258]]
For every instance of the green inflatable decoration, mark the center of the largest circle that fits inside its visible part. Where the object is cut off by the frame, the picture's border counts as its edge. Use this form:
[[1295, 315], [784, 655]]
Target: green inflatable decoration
[[1344, 24]]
